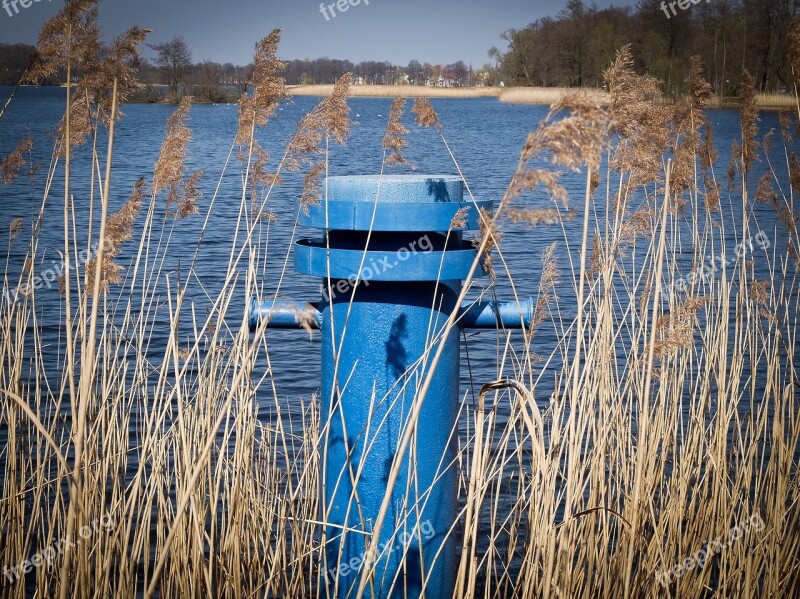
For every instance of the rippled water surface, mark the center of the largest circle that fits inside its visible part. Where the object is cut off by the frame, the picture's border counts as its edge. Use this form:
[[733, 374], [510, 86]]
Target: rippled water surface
[[484, 135]]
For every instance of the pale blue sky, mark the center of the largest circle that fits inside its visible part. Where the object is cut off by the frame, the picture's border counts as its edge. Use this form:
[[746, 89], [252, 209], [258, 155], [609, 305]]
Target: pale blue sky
[[440, 31]]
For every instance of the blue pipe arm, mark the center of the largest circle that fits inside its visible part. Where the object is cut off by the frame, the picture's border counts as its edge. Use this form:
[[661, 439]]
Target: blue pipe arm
[[283, 314], [497, 315], [289, 314]]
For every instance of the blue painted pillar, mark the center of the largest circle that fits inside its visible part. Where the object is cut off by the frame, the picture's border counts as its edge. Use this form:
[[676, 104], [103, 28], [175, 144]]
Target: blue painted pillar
[[386, 298]]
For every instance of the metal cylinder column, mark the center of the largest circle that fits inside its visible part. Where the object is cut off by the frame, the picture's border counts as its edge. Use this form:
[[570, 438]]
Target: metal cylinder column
[[386, 297]]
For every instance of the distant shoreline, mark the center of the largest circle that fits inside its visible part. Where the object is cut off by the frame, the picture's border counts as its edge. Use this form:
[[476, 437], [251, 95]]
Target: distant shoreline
[[511, 95], [393, 91], [544, 96]]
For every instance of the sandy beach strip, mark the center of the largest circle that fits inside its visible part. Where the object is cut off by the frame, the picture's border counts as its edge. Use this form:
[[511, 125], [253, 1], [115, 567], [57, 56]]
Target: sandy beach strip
[[511, 95]]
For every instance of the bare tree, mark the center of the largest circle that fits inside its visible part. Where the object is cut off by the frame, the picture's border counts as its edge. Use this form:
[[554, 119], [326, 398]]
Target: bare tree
[[174, 57], [207, 81]]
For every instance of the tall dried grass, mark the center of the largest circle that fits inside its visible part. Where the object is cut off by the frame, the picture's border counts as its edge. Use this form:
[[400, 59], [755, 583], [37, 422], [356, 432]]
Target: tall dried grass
[[674, 418]]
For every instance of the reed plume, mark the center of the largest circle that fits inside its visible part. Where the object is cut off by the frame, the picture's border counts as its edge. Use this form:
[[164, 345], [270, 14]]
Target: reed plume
[[734, 164], [548, 282], [785, 119], [426, 116], [749, 123], [642, 124], [71, 36], [539, 216], [688, 119], [120, 62], [711, 195], [14, 229], [119, 229], [675, 329], [260, 176], [708, 152], [491, 236], [312, 186], [187, 205], [641, 224], [72, 39], [577, 138], [459, 220], [169, 169], [100, 68], [765, 192], [255, 110], [12, 164], [394, 139], [268, 85], [328, 120], [794, 172]]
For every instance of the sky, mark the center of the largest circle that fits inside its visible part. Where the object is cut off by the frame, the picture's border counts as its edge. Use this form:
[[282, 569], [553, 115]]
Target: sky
[[439, 32]]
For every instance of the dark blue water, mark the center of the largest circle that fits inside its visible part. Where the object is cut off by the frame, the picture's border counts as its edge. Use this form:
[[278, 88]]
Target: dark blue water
[[485, 139], [485, 136]]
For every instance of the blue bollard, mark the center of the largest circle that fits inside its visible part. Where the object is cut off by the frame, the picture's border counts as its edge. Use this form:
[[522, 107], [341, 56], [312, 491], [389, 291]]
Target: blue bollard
[[407, 282]]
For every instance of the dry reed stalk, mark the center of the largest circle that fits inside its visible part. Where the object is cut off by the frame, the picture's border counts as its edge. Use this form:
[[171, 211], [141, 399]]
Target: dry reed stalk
[[208, 500]]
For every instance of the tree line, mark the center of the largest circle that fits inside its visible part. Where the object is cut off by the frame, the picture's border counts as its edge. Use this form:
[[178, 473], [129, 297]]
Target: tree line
[[570, 49], [171, 72], [573, 48], [207, 80]]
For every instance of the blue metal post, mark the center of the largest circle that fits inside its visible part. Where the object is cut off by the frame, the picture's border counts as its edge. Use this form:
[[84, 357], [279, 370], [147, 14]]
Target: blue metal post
[[387, 296]]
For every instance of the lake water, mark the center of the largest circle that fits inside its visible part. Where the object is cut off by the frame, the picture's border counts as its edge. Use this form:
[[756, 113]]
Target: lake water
[[484, 134]]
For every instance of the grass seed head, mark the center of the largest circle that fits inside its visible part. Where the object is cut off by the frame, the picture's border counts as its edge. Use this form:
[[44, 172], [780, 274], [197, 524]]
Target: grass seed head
[[268, 85], [14, 229], [426, 115], [312, 186], [459, 220], [12, 164], [394, 139], [785, 117], [119, 229], [642, 124], [170, 167], [749, 122]]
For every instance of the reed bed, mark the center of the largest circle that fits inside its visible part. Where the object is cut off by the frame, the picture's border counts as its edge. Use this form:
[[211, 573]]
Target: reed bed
[[762, 101], [674, 421], [520, 95], [546, 95]]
